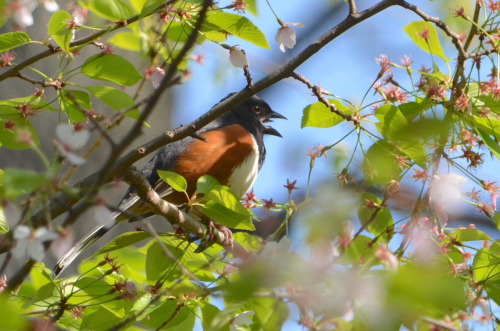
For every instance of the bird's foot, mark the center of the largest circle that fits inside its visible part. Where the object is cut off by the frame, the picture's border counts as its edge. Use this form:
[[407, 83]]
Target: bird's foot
[[212, 236]]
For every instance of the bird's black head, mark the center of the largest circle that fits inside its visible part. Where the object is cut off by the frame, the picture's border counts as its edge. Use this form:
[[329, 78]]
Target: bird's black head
[[254, 113]]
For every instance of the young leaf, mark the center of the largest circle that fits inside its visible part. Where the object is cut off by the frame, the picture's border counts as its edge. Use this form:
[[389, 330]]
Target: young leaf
[[11, 40], [227, 217], [74, 103], [176, 181], [10, 138], [318, 115], [126, 40], [17, 182], [4, 225], [151, 5], [425, 36], [226, 197], [113, 98], [381, 222], [238, 26], [111, 68], [124, 240], [463, 235], [490, 143], [111, 10], [59, 29], [206, 183], [380, 166]]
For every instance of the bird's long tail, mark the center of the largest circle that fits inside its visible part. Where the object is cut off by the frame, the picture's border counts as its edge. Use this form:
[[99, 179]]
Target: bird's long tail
[[80, 247]]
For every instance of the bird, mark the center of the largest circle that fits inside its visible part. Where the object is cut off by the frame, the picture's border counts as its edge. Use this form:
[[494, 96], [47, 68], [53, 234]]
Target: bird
[[230, 149]]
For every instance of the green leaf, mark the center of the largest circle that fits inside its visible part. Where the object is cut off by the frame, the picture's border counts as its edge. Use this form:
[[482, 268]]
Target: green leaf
[[11, 40], [11, 315], [74, 103], [206, 183], [112, 97], [227, 217], [10, 138], [379, 224], [59, 29], [111, 10], [380, 166], [395, 128], [16, 182], [430, 45], [497, 219], [318, 115], [227, 198], [4, 225], [492, 145], [238, 26], [464, 235], [490, 126], [181, 319], [126, 40], [111, 68], [176, 181], [124, 240], [252, 243], [151, 5], [432, 289]]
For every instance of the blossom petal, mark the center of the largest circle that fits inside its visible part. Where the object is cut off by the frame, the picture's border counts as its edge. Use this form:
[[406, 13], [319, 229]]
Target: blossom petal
[[35, 250], [238, 57], [22, 232]]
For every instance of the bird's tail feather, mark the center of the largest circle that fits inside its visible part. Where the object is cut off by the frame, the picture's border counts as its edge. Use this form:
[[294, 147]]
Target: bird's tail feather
[[80, 247]]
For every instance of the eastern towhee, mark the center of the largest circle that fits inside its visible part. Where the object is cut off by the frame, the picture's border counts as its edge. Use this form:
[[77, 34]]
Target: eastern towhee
[[230, 149]]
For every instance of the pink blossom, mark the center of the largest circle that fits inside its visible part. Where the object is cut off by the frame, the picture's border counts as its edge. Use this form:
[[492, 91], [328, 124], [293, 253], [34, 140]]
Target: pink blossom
[[286, 36], [22, 12]]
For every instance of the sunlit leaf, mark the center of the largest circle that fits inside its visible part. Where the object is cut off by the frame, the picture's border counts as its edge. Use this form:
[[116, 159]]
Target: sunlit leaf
[[59, 29], [111, 68], [425, 36], [176, 181], [206, 183], [126, 40], [124, 240], [75, 103], [238, 26], [227, 217], [17, 182], [11, 40], [318, 115], [380, 164], [112, 97], [377, 221], [111, 10]]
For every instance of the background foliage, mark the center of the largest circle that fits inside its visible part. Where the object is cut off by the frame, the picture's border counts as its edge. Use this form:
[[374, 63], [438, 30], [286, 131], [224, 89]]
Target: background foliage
[[382, 240]]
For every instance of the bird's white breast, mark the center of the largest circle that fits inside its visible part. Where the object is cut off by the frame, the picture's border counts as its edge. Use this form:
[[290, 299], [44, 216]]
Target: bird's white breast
[[244, 175]]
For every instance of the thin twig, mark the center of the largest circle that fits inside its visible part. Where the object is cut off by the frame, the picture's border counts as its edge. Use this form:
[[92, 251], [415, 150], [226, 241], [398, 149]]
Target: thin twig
[[319, 94], [352, 7]]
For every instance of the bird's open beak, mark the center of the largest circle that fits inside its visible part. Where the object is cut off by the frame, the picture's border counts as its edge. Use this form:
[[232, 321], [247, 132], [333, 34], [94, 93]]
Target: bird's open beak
[[269, 130], [274, 114]]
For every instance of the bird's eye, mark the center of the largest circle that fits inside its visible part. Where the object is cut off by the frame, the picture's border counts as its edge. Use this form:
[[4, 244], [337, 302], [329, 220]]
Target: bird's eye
[[256, 109]]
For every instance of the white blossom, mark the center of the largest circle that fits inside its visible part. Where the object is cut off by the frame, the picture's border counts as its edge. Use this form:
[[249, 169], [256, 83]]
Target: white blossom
[[30, 244], [22, 12], [68, 141], [50, 5], [444, 190], [157, 77], [240, 320], [286, 36], [237, 57]]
